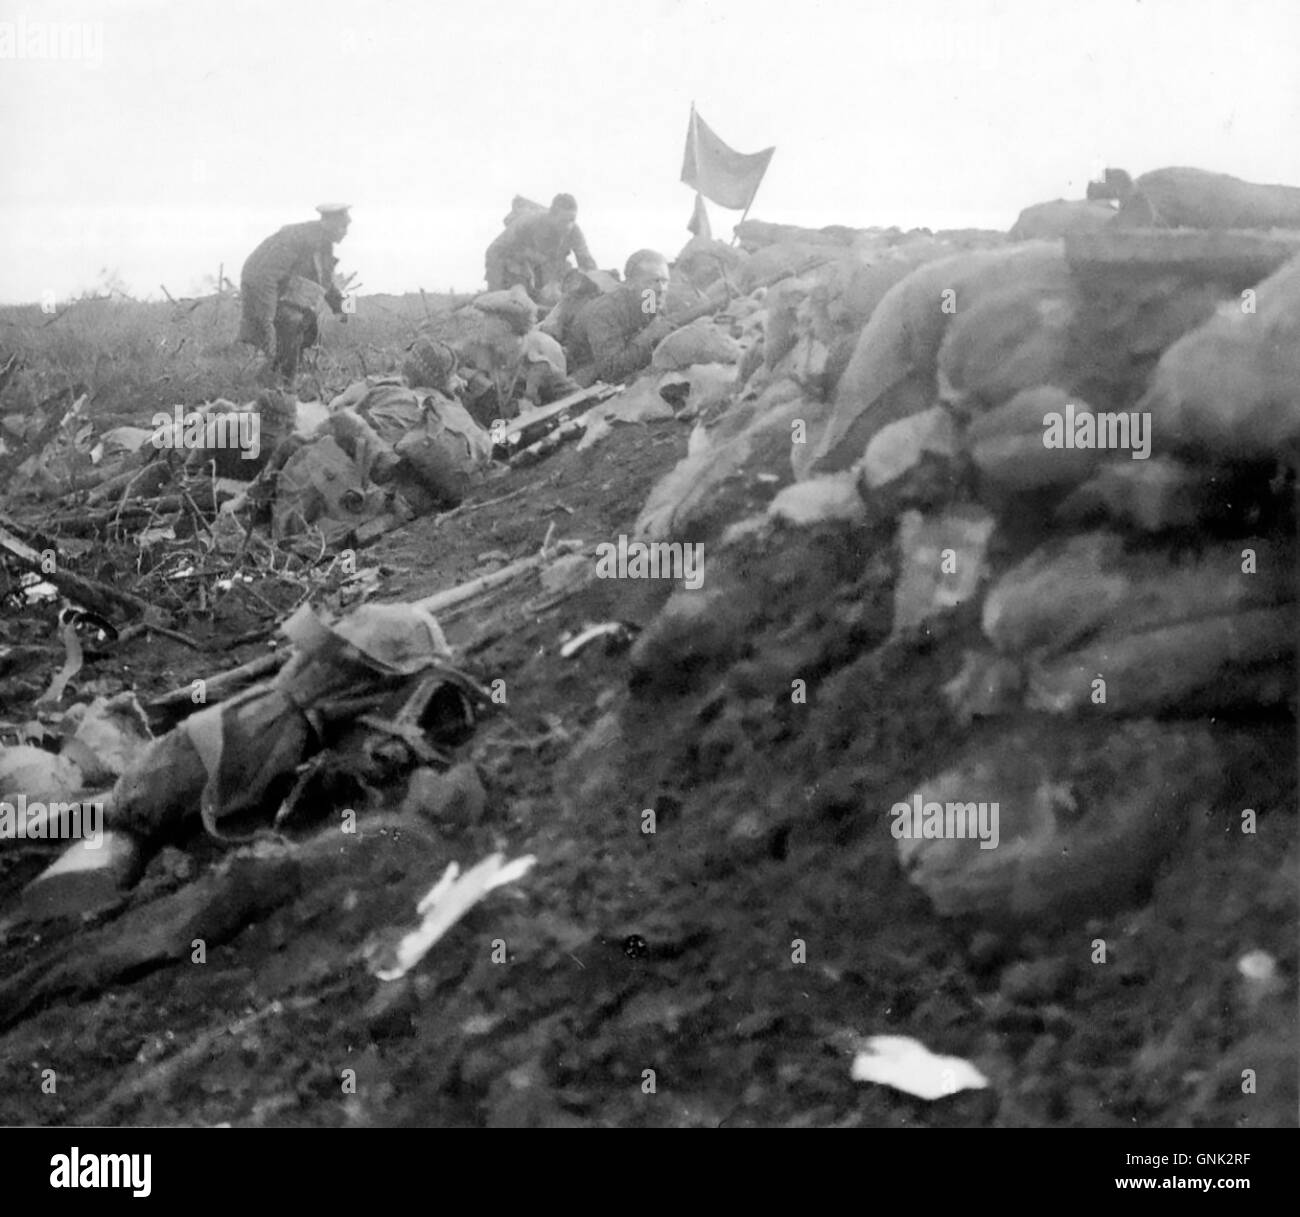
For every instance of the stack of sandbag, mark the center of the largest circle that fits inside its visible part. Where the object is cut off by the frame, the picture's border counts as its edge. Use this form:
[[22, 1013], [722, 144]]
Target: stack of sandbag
[[758, 234], [1060, 218], [1086, 475], [1106, 605], [1197, 198], [796, 338], [977, 328], [893, 371]]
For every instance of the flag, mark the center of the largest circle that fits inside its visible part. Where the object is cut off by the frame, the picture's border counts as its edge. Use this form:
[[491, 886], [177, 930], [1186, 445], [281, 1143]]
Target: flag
[[729, 178], [699, 222]]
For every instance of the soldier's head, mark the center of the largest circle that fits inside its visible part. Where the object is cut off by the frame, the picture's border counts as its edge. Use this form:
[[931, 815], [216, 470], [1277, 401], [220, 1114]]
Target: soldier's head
[[335, 218], [430, 365], [1119, 184], [647, 270], [564, 212]]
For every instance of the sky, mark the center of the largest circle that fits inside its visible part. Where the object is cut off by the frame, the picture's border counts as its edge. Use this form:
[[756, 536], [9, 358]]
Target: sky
[[157, 140]]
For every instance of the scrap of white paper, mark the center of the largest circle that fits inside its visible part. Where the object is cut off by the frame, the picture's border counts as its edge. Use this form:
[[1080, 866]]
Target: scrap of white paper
[[447, 902], [909, 1066]]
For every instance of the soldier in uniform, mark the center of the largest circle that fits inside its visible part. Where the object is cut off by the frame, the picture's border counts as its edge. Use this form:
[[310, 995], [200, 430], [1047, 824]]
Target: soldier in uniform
[[615, 334], [534, 249], [284, 281]]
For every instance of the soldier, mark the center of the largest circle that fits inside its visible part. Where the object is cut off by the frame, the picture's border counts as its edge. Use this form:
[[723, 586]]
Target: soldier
[[577, 289], [614, 336], [534, 249], [283, 282]]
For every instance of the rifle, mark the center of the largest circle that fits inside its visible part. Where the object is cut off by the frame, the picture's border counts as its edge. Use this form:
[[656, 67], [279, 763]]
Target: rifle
[[711, 307], [530, 426]]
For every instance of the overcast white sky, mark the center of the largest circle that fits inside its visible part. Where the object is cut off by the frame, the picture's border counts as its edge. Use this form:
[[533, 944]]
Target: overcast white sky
[[189, 131]]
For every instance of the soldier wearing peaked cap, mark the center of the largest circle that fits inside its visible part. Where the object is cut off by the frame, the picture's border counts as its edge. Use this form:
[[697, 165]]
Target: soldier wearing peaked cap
[[284, 281]]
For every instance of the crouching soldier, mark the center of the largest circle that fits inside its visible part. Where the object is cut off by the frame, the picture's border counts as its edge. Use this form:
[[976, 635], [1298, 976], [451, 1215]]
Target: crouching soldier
[[534, 250], [283, 283]]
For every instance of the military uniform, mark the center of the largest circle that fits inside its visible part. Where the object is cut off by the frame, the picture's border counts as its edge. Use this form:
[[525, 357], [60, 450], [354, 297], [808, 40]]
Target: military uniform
[[612, 337], [532, 253], [284, 280]]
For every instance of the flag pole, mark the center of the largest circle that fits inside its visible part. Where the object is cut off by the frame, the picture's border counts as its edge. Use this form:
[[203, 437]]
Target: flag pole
[[735, 236], [744, 215]]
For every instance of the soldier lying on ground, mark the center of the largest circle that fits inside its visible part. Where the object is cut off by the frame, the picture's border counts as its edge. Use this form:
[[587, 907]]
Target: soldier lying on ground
[[536, 375], [614, 335]]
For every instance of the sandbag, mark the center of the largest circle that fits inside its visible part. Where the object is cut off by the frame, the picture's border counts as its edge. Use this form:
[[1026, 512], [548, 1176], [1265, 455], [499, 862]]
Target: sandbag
[[1236, 661], [703, 261], [1196, 198], [1012, 339], [1090, 589], [812, 323], [758, 234], [1232, 387], [704, 492], [1152, 495], [765, 264], [1085, 818], [892, 371], [1060, 218], [699, 390], [700, 342], [781, 320], [1006, 446]]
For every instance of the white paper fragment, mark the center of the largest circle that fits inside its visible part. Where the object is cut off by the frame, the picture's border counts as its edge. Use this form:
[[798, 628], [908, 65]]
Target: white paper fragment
[[445, 904], [1257, 966], [909, 1066]]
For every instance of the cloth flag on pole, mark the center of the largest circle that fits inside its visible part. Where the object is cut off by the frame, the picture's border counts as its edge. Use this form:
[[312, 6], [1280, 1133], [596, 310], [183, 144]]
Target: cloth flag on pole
[[699, 224], [729, 178]]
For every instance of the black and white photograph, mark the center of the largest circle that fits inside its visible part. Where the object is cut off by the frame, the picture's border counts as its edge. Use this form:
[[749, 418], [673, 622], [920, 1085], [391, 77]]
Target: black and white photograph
[[695, 564]]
